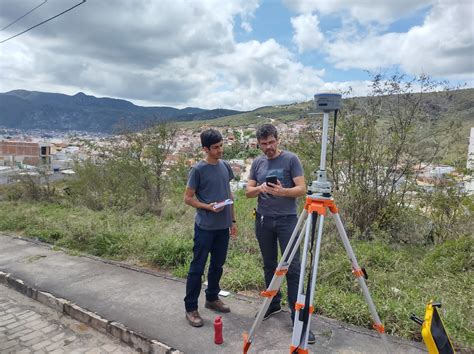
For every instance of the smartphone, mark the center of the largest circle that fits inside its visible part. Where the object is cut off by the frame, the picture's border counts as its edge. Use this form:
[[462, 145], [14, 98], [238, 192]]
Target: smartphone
[[271, 179]]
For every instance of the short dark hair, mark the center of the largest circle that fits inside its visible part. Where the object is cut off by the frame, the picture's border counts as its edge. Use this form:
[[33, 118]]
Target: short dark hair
[[266, 130], [210, 137]]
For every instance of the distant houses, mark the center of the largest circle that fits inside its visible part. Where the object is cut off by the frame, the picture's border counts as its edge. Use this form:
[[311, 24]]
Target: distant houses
[[60, 154], [23, 154], [13, 153]]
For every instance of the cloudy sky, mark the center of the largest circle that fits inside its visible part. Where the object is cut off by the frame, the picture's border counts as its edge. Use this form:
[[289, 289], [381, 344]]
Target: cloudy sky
[[236, 54]]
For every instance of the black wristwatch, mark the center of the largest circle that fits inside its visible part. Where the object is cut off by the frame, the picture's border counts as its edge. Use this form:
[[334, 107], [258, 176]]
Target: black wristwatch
[[234, 222]]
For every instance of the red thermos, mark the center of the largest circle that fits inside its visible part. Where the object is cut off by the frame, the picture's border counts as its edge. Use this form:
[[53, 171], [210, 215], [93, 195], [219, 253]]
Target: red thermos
[[218, 330]]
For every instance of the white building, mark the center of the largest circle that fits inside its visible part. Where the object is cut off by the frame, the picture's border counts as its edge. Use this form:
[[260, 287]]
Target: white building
[[469, 184], [470, 152], [441, 171]]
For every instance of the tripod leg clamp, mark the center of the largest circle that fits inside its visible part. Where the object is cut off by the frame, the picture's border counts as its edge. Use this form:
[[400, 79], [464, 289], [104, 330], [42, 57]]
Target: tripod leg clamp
[[360, 273], [269, 293], [299, 307], [281, 272]]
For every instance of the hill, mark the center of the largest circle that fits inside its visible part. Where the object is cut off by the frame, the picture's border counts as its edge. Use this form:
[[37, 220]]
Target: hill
[[21, 109], [460, 107]]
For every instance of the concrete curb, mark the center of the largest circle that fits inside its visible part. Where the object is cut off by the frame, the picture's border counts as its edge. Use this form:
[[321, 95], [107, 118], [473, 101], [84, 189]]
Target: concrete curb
[[94, 320]]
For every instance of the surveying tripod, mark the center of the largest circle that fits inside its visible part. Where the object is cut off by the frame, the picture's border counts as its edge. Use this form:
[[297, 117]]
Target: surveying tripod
[[319, 199]]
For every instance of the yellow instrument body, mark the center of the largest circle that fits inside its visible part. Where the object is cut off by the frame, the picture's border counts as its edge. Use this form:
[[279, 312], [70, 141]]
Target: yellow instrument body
[[434, 334]]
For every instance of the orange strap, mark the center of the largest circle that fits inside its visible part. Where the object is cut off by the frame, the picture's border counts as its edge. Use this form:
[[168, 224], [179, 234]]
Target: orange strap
[[268, 293], [281, 272], [379, 327]]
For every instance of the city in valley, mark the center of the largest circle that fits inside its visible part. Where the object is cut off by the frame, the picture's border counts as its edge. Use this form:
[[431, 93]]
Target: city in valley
[[24, 153]]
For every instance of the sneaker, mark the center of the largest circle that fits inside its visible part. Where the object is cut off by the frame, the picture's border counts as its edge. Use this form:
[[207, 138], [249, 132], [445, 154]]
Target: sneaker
[[273, 309], [194, 318], [217, 305]]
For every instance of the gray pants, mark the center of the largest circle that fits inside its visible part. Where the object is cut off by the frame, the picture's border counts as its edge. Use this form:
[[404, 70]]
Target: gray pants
[[270, 231]]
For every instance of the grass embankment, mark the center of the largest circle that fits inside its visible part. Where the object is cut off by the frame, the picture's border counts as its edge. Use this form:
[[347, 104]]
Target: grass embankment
[[402, 278], [284, 113]]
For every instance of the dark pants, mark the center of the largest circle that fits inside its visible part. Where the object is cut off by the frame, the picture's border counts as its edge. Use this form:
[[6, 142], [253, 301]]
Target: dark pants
[[214, 242], [270, 231]]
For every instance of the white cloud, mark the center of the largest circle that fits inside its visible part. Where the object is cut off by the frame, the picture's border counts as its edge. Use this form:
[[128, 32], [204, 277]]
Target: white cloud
[[246, 26], [442, 46], [247, 15], [159, 52], [368, 53], [255, 74], [378, 11], [307, 35], [184, 53]]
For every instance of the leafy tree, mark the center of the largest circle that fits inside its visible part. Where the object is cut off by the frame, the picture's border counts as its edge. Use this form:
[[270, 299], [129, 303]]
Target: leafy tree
[[380, 142], [128, 172], [178, 175], [238, 150], [35, 185], [449, 210]]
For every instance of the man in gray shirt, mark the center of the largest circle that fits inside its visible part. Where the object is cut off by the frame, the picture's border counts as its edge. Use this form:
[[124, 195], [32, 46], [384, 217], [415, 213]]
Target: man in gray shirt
[[208, 184], [276, 215]]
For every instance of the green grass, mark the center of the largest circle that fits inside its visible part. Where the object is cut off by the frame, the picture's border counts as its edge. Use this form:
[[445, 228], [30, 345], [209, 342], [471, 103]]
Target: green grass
[[402, 278]]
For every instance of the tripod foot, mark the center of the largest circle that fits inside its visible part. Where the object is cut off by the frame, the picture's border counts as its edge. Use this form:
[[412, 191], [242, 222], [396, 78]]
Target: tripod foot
[[297, 350], [379, 327], [246, 346]]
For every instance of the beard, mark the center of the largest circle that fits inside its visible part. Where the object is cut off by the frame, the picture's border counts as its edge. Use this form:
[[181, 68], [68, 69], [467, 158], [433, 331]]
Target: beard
[[270, 152]]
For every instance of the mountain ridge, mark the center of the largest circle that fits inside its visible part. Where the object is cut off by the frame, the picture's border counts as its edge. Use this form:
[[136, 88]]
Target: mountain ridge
[[23, 109]]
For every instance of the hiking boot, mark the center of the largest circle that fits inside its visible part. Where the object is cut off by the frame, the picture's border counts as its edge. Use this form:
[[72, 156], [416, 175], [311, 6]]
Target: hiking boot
[[273, 309], [194, 318], [217, 305]]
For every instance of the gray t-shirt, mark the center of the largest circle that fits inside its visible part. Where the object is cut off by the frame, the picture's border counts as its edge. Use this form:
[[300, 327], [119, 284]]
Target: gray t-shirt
[[211, 184], [286, 167]]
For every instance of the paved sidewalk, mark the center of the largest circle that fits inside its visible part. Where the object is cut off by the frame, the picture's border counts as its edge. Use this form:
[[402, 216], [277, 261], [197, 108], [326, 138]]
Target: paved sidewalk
[[27, 326], [151, 304]]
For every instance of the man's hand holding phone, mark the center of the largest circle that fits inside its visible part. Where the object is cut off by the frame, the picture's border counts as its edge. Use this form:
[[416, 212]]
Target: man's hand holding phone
[[272, 186], [269, 180]]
